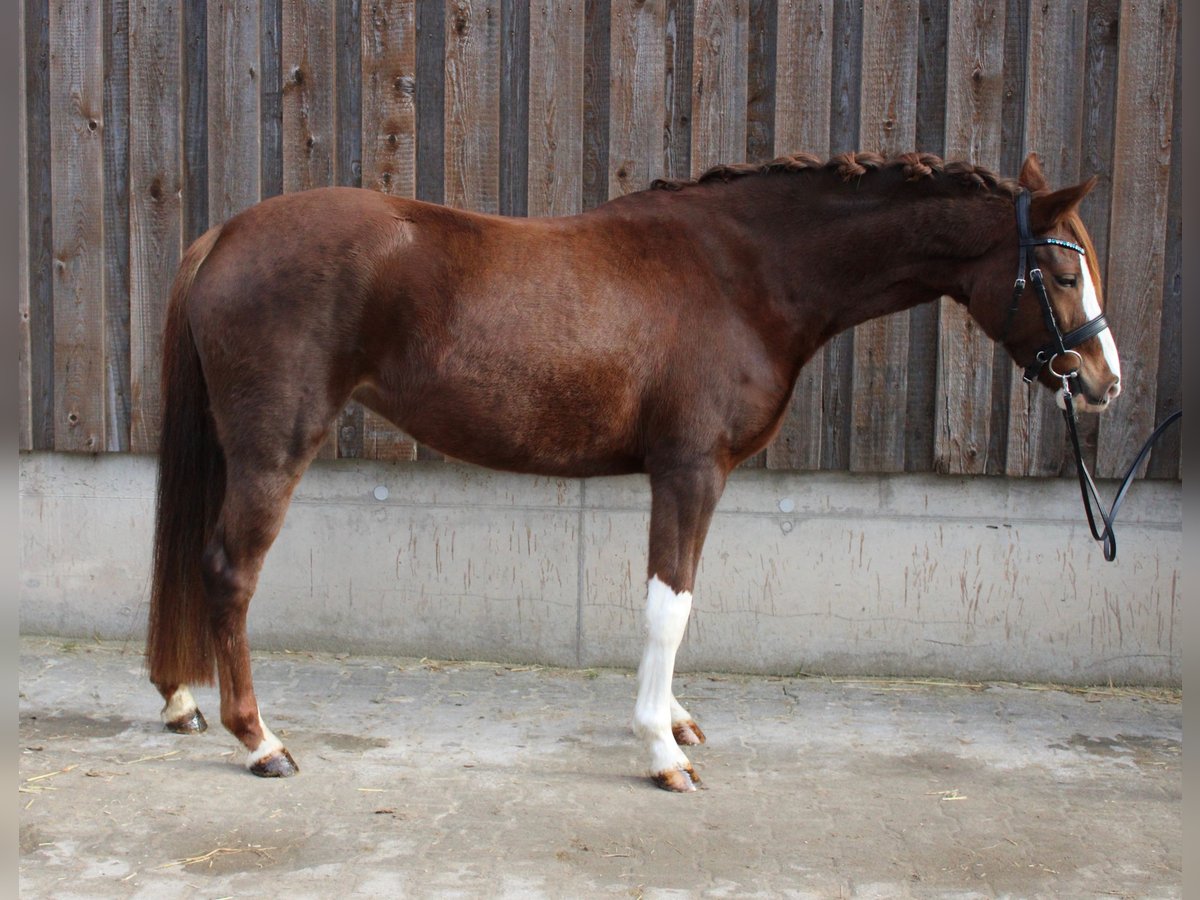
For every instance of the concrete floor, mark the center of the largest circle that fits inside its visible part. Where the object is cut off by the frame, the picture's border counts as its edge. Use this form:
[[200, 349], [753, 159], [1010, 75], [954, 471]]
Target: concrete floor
[[431, 779]]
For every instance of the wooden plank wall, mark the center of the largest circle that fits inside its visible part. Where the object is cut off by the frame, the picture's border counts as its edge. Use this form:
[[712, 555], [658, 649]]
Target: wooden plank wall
[[142, 125]]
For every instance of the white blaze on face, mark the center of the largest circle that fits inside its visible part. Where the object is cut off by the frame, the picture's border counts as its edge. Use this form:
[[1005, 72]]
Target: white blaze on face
[[1091, 308], [666, 621]]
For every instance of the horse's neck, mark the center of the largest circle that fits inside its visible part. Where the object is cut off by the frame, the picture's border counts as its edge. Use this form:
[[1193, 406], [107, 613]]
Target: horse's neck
[[841, 259]]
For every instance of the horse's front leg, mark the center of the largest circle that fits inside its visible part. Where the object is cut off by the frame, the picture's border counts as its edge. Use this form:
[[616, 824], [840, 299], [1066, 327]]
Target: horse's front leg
[[683, 500]]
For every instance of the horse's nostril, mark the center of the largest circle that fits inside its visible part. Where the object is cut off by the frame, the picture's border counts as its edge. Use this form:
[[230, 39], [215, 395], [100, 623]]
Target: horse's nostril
[[1114, 390]]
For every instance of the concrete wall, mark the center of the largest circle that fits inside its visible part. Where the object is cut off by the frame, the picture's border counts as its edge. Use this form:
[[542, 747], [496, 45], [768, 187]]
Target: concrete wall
[[830, 573]]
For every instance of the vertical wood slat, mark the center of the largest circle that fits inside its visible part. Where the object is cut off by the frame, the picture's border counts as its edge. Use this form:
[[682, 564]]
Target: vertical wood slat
[[309, 67], [77, 181], [974, 94], [25, 347], [1141, 187], [803, 83], [234, 107], [1165, 460], [677, 92], [195, 120], [555, 182], [155, 201], [637, 95], [430, 101], [389, 164], [761, 56], [472, 113], [118, 388], [721, 34], [1053, 129], [845, 75], [920, 433], [596, 64], [887, 124], [39, 260], [515, 41], [389, 114], [270, 131]]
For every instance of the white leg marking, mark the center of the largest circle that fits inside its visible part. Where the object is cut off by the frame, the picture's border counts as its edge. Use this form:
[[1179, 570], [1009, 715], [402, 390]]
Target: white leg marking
[[269, 744], [180, 706], [1091, 308], [678, 713], [666, 622]]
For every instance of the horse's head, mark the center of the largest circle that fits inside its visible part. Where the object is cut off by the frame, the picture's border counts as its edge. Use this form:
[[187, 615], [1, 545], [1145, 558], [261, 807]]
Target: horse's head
[[1058, 254]]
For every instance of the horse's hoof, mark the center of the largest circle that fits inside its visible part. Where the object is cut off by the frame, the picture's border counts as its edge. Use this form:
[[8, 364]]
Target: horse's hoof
[[192, 723], [687, 734], [679, 781], [278, 765]]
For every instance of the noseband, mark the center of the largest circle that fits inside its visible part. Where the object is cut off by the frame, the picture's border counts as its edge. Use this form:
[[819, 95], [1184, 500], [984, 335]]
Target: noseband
[[1061, 344]]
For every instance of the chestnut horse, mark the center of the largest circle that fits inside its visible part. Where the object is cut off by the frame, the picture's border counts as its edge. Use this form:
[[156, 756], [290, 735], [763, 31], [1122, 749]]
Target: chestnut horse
[[661, 332]]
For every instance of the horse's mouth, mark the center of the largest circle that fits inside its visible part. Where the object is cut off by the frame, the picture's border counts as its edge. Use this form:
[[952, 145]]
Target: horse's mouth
[[1082, 401]]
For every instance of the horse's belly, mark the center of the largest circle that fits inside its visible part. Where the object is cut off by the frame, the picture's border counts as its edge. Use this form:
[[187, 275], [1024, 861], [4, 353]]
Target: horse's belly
[[519, 427]]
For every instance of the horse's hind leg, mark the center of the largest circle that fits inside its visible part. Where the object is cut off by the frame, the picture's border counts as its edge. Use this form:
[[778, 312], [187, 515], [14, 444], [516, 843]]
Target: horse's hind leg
[[256, 498], [682, 505], [180, 713]]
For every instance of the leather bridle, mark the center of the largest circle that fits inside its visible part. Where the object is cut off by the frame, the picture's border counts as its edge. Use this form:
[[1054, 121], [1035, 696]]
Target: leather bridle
[[1060, 345]]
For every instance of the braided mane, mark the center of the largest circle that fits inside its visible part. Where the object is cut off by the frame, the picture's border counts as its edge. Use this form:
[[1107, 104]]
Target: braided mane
[[915, 166]]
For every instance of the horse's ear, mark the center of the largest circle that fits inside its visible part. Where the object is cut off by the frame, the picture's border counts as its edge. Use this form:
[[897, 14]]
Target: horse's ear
[[1047, 210], [1031, 177]]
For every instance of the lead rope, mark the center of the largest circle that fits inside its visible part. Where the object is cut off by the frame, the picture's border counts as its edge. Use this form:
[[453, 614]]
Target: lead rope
[[1087, 487]]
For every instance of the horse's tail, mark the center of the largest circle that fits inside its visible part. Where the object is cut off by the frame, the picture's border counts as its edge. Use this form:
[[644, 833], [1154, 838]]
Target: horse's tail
[[191, 487]]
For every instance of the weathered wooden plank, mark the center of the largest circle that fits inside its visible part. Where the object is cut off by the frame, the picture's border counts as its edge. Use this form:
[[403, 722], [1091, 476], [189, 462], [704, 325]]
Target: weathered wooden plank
[[556, 109], [155, 202], [431, 101], [1012, 150], [348, 81], [930, 136], [721, 34], [24, 348], [308, 95], [309, 67], [472, 105], [234, 113], [596, 101], [389, 164], [845, 81], [39, 217], [270, 130], [77, 176], [887, 124], [389, 113], [116, 223], [1053, 129], [1165, 460], [195, 120], [637, 94], [974, 97], [1141, 196], [515, 18], [803, 81], [763, 25], [677, 143]]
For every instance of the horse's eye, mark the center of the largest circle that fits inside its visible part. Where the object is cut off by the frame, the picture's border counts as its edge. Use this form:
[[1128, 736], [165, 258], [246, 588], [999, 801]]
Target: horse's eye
[[1067, 281]]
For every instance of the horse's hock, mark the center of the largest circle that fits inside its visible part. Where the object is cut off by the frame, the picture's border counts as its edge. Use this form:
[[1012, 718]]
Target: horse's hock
[[967, 577]]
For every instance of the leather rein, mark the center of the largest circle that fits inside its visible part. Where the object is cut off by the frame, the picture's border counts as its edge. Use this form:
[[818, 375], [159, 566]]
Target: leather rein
[[1060, 346]]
